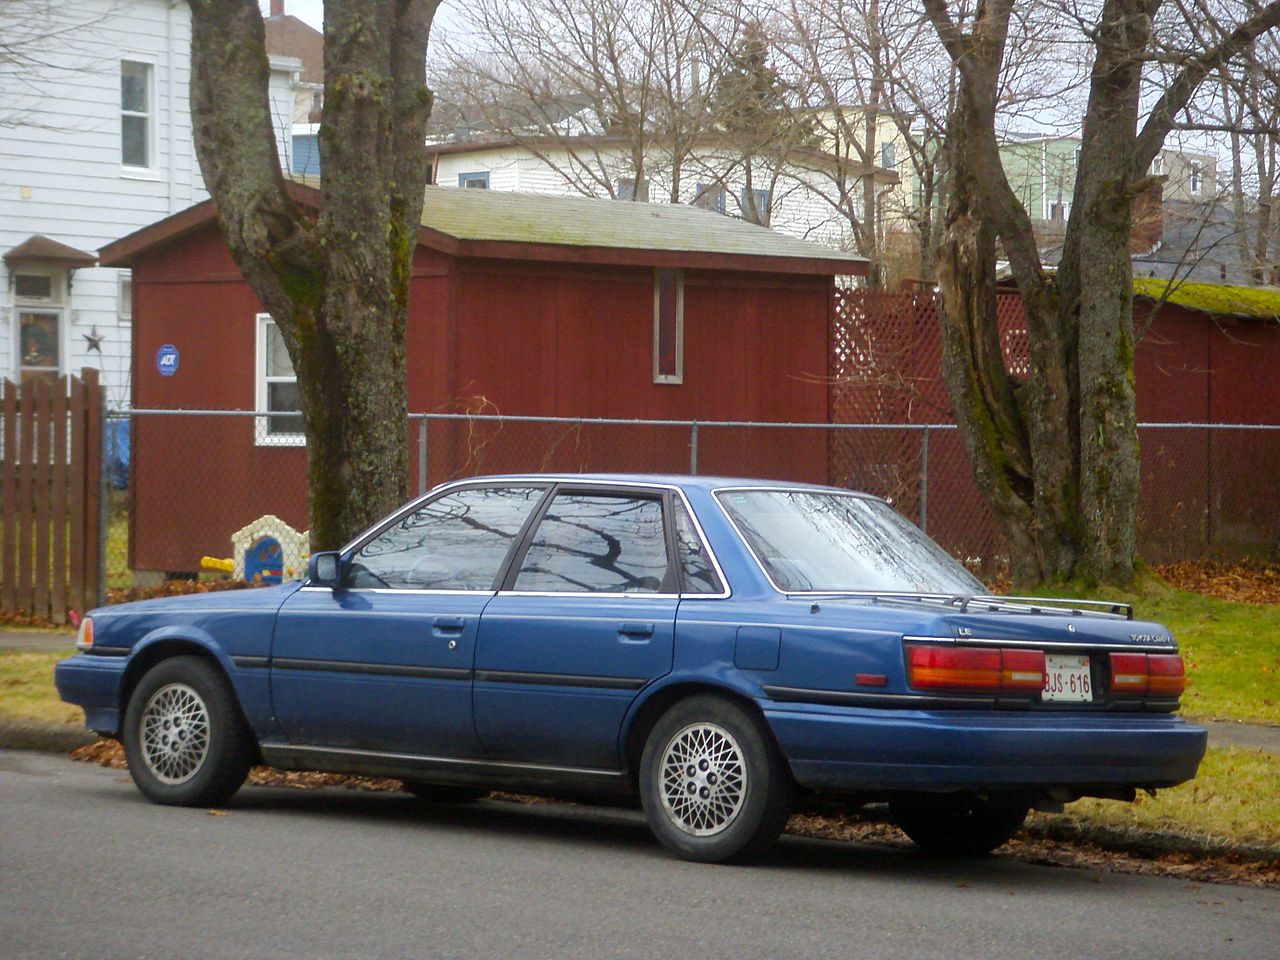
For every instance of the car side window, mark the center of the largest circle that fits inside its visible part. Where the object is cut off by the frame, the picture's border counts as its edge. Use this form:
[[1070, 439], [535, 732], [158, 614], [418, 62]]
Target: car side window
[[695, 563], [587, 543], [455, 542]]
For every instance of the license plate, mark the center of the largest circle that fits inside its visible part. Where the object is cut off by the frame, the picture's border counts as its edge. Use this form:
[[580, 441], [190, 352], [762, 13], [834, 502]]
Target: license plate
[[1066, 679]]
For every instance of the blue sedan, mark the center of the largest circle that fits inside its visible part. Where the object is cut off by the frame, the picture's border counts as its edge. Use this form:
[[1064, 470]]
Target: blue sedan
[[714, 647]]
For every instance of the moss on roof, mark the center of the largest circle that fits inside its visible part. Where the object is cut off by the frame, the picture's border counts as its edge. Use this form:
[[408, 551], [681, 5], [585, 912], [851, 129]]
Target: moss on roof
[[500, 215], [1260, 302]]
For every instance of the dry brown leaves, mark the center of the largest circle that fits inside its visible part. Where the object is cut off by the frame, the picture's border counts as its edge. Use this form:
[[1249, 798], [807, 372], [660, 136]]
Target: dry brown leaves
[[830, 823], [1245, 581]]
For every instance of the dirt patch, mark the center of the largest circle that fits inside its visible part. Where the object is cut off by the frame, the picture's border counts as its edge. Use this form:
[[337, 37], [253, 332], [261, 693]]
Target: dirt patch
[[1041, 842]]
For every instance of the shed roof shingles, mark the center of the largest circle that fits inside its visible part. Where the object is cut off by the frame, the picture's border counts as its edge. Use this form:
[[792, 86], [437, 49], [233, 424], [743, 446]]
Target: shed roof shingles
[[587, 222]]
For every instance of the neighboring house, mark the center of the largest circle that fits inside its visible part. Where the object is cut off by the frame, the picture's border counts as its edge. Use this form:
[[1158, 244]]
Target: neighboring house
[[95, 141], [797, 195], [518, 304], [1042, 172], [1197, 242], [287, 36]]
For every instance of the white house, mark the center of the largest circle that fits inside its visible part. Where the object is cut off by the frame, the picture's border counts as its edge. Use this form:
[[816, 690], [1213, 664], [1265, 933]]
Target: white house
[[95, 142], [809, 194]]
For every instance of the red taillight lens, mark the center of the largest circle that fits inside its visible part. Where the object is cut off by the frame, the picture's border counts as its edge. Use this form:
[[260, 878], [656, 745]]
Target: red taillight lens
[[1167, 674], [974, 668], [1129, 673], [1022, 670], [1154, 673]]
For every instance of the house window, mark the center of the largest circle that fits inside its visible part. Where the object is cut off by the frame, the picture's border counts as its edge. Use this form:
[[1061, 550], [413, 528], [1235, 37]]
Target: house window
[[1197, 179], [624, 188], [1077, 156], [710, 196], [888, 160], [668, 326], [474, 181], [124, 298], [755, 206], [135, 114], [37, 301], [277, 389], [1157, 166]]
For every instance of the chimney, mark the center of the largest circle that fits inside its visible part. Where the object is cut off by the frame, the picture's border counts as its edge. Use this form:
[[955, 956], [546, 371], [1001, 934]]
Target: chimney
[[1147, 229], [277, 8]]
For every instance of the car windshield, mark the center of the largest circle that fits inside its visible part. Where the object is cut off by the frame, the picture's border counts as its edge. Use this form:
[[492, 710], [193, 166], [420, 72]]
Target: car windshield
[[831, 542]]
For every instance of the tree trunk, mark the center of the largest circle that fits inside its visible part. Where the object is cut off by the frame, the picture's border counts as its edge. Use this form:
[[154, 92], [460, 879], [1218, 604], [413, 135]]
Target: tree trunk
[[337, 288]]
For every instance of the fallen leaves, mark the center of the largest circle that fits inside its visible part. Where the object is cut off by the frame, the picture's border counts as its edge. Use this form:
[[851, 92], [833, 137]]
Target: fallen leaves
[[869, 826]]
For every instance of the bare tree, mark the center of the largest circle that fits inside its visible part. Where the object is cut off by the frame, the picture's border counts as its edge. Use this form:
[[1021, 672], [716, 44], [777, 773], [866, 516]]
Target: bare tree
[[42, 41], [603, 92], [1055, 455], [336, 285]]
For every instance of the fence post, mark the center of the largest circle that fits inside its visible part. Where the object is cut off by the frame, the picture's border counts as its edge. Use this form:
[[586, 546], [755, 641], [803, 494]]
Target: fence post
[[924, 479], [422, 456], [693, 449]]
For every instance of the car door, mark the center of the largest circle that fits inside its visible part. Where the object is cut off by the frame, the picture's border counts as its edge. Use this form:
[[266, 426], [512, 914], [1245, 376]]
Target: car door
[[585, 619], [385, 662]]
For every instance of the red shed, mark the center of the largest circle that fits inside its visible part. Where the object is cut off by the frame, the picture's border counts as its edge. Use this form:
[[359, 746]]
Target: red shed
[[519, 304]]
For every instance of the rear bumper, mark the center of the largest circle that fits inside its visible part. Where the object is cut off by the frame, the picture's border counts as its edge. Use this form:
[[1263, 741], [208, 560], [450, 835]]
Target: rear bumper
[[93, 683], [852, 749]]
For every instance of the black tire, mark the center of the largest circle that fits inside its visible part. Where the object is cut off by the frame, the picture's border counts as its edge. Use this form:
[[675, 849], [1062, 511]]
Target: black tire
[[196, 694], [713, 784], [442, 792], [962, 825]]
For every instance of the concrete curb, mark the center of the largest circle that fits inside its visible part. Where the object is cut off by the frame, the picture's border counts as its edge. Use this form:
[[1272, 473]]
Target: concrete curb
[[46, 737]]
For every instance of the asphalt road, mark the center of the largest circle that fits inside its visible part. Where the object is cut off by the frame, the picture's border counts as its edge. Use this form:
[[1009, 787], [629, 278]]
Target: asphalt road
[[88, 869]]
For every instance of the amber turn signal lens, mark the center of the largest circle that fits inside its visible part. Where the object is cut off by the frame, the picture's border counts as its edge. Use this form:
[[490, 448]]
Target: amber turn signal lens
[[84, 639]]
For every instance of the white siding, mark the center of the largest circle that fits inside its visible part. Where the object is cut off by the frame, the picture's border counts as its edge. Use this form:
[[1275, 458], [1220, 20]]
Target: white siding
[[60, 153], [801, 198]]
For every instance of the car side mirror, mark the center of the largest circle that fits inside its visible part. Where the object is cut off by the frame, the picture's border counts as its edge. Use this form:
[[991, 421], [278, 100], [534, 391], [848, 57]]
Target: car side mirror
[[325, 569]]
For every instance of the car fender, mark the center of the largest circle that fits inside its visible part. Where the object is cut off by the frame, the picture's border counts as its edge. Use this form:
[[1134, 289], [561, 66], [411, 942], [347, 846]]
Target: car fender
[[250, 686], [724, 678]]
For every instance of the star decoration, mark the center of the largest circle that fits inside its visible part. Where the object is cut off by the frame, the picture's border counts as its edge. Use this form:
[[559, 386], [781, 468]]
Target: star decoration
[[95, 339]]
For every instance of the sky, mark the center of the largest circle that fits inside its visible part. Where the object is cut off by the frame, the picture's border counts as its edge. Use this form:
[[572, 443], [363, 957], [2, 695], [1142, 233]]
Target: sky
[[312, 11]]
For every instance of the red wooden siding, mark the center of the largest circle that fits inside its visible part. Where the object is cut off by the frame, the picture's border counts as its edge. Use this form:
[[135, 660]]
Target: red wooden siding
[[483, 336]]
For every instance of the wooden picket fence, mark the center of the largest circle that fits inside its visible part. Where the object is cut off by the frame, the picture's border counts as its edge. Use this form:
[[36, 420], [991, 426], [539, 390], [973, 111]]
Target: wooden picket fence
[[51, 534]]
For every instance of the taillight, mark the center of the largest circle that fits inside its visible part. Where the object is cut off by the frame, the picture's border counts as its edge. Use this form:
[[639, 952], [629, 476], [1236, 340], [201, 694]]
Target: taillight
[[974, 668], [1167, 674], [1153, 673], [1022, 670], [84, 639], [1129, 672]]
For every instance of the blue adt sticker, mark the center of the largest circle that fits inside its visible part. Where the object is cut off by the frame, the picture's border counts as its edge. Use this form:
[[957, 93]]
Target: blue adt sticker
[[167, 360]]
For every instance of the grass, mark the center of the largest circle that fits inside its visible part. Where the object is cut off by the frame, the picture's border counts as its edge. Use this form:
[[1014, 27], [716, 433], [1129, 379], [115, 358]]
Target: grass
[[1234, 801], [27, 691], [1232, 653], [1232, 650]]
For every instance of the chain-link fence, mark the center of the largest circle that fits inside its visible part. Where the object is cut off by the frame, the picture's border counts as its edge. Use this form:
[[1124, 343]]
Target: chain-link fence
[[183, 483]]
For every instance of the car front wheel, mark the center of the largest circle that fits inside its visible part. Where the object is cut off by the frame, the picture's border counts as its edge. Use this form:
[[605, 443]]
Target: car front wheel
[[713, 784], [963, 825], [184, 737]]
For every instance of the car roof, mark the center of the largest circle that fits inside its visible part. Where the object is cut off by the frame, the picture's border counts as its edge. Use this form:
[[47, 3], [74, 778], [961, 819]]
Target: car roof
[[685, 481]]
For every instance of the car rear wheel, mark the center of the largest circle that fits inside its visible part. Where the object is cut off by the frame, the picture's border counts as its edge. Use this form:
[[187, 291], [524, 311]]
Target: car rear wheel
[[963, 825], [184, 737], [712, 782], [442, 792]]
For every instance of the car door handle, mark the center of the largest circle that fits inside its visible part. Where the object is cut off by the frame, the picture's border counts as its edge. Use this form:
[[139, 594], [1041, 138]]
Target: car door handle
[[441, 626], [635, 629]]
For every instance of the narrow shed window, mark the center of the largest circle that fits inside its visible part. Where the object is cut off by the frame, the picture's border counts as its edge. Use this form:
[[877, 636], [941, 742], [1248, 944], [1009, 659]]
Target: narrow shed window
[[276, 390], [668, 326]]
